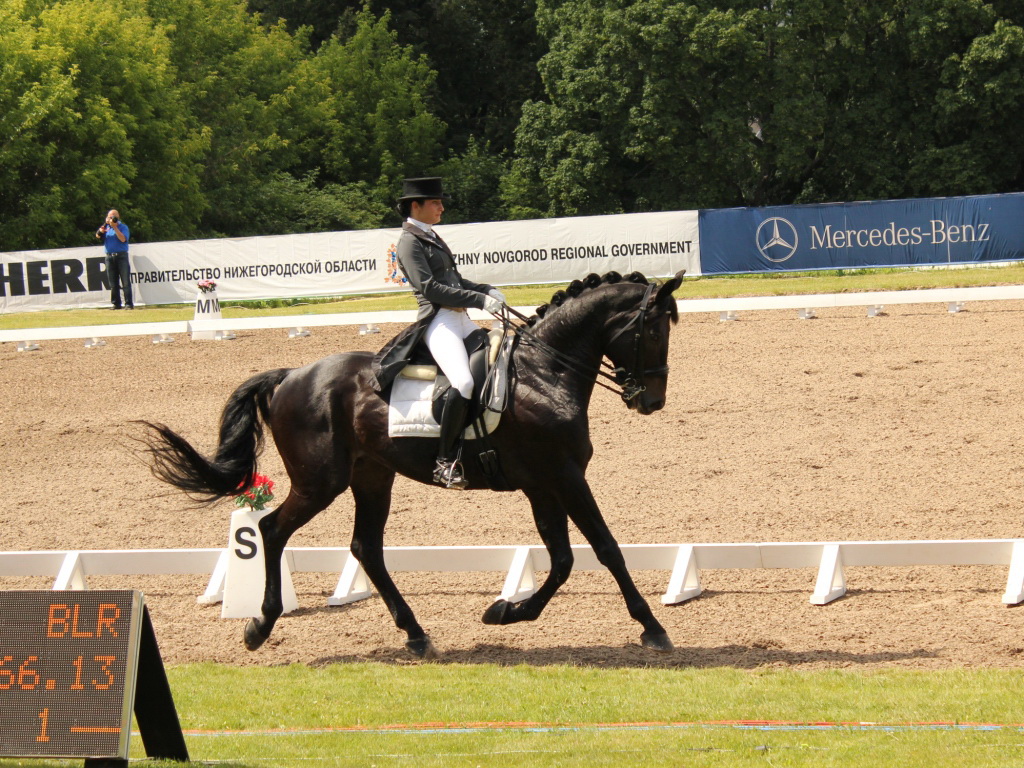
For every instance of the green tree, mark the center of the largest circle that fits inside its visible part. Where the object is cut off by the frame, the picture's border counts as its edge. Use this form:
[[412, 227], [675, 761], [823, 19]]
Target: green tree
[[377, 124], [96, 123], [36, 101], [641, 96], [323, 18], [483, 51], [473, 179], [484, 54], [978, 112], [244, 95], [299, 141], [660, 104], [284, 204]]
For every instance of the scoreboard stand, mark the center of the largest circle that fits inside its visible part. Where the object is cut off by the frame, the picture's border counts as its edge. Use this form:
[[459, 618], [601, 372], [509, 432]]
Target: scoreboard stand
[[73, 667]]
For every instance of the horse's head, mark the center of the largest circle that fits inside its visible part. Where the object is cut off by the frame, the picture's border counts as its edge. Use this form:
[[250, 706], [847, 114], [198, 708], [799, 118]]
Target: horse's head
[[638, 345], [626, 319]]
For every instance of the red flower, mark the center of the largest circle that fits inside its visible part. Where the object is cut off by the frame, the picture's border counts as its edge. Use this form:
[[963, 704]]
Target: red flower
[[257, 494]]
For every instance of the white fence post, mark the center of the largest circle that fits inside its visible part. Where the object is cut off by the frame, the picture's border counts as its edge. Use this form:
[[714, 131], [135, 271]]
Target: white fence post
[[215, 587], [353, 585], [237, 572], [684, 583], [71, 574], [520, 582], [831, 583], [1014, 594]]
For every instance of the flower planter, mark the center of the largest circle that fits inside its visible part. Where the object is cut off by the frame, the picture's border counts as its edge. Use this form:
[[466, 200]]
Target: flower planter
[[246, 569], [207, 308]]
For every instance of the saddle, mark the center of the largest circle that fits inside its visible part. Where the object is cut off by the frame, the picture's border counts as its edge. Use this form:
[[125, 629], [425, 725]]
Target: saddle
[[417, 394]]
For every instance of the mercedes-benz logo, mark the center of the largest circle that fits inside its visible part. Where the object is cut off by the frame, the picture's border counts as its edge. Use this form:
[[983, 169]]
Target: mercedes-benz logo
[[776, 239]]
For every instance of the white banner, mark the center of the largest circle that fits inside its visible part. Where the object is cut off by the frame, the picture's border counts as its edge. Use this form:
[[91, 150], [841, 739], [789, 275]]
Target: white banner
[[338, 263]]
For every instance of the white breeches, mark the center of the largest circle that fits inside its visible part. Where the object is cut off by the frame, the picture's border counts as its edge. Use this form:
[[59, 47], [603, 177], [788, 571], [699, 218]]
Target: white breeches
[[445, 337]]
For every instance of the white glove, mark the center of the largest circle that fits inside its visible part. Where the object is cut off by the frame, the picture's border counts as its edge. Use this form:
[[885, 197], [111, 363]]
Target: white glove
[[494, 293], [492, 305]]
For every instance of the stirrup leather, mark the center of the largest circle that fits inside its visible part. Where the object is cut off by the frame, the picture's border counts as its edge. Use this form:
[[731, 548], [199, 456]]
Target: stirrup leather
[[449, 474]]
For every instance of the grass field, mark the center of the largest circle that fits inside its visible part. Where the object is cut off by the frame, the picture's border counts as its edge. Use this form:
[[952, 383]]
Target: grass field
[[455, 715], [483, 715]]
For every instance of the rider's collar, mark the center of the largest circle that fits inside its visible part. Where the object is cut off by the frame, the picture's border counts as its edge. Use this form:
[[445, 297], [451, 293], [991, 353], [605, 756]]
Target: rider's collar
[[425, 227]]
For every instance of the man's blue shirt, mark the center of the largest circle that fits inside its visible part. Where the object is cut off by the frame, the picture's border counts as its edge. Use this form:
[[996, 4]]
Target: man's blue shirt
[[112, 244]]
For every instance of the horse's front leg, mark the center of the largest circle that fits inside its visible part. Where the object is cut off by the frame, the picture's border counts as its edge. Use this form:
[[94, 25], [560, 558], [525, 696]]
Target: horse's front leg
[[371, 489], [275, 530], [553, 527], [584, 512]]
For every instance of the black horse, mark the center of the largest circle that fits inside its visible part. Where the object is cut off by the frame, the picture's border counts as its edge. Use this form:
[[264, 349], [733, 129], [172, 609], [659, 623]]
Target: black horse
[[331, 429]]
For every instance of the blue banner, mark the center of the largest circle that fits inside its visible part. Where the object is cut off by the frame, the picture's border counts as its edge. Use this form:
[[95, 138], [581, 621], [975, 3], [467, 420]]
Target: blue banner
[[931, 231]]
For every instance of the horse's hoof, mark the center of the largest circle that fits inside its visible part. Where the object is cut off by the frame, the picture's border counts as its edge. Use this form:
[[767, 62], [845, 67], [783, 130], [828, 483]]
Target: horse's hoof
[[656, 642], [497, 613], [254, 638], [423, 649]]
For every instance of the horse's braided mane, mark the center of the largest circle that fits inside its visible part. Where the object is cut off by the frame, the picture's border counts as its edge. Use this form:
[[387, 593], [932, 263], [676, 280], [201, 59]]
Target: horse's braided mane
[[576, 287]]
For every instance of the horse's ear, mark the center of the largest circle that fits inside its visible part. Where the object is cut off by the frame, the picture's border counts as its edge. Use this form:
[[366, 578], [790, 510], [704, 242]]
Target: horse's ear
[[664, 298], [670, 287]]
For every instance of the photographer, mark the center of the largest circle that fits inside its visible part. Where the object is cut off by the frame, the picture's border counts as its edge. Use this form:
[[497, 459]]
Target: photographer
[[115, 236]]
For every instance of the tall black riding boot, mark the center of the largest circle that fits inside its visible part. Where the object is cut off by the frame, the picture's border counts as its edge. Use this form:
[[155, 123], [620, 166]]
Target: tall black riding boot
[[448, 471]]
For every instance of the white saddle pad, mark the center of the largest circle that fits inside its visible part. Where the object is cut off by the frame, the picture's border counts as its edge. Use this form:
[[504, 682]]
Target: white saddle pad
[[409, 414]]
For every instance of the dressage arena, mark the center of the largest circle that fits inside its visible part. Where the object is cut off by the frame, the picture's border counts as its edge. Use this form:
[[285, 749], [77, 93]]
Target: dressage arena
[[777, 429]]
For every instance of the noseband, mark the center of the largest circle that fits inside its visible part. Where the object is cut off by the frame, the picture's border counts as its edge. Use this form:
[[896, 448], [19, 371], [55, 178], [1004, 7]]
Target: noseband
[[629, 380]]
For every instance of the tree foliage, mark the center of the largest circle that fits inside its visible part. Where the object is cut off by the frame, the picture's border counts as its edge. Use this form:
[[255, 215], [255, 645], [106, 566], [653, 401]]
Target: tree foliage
[[484, 52], [201, 118], [85, 128], [194, 118], [658, 104], [350, 118]]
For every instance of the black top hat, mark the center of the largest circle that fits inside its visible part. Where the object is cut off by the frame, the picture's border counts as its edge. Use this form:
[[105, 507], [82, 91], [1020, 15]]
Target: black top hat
[[427, 188]]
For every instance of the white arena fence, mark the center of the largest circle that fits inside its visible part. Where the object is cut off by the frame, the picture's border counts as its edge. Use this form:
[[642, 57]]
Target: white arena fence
[[71, 569], [807, 306]]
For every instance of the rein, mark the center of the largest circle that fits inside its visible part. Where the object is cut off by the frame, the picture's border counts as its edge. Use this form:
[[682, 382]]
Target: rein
[[628, 380]]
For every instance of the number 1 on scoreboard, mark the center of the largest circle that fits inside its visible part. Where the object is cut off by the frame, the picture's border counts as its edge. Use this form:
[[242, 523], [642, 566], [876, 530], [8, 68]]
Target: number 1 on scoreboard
[[44, 716]]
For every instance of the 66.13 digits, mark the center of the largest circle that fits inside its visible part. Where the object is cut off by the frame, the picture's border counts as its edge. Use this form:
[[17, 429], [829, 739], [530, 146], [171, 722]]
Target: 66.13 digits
[[96, 673]]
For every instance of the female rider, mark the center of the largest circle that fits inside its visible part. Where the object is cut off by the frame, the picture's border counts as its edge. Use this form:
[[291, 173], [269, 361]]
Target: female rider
[[443, 296]]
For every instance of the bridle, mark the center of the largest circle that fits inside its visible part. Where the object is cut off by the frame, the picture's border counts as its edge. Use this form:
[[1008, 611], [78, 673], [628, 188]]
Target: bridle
[[630, 380]]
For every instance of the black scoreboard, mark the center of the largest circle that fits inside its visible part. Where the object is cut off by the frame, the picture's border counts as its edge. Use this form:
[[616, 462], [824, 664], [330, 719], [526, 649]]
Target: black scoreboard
[[69, 669]]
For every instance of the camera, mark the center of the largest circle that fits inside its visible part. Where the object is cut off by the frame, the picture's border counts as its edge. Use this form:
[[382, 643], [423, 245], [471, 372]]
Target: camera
[[114, 219]]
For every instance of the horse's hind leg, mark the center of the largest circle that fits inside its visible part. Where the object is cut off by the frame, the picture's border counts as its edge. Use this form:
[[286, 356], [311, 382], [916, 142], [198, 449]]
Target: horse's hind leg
[[275, 529], [371, 489], [552, 525]]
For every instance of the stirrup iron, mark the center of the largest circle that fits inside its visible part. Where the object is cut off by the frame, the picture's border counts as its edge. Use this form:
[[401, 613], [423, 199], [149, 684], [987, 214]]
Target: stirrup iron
[[448, 473]]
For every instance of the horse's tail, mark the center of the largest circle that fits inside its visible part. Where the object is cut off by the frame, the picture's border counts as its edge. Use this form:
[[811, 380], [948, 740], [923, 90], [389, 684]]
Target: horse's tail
[[232, 468]]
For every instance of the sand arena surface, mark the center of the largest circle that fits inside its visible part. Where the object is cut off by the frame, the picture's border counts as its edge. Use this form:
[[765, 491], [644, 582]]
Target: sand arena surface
[[776, 429]]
